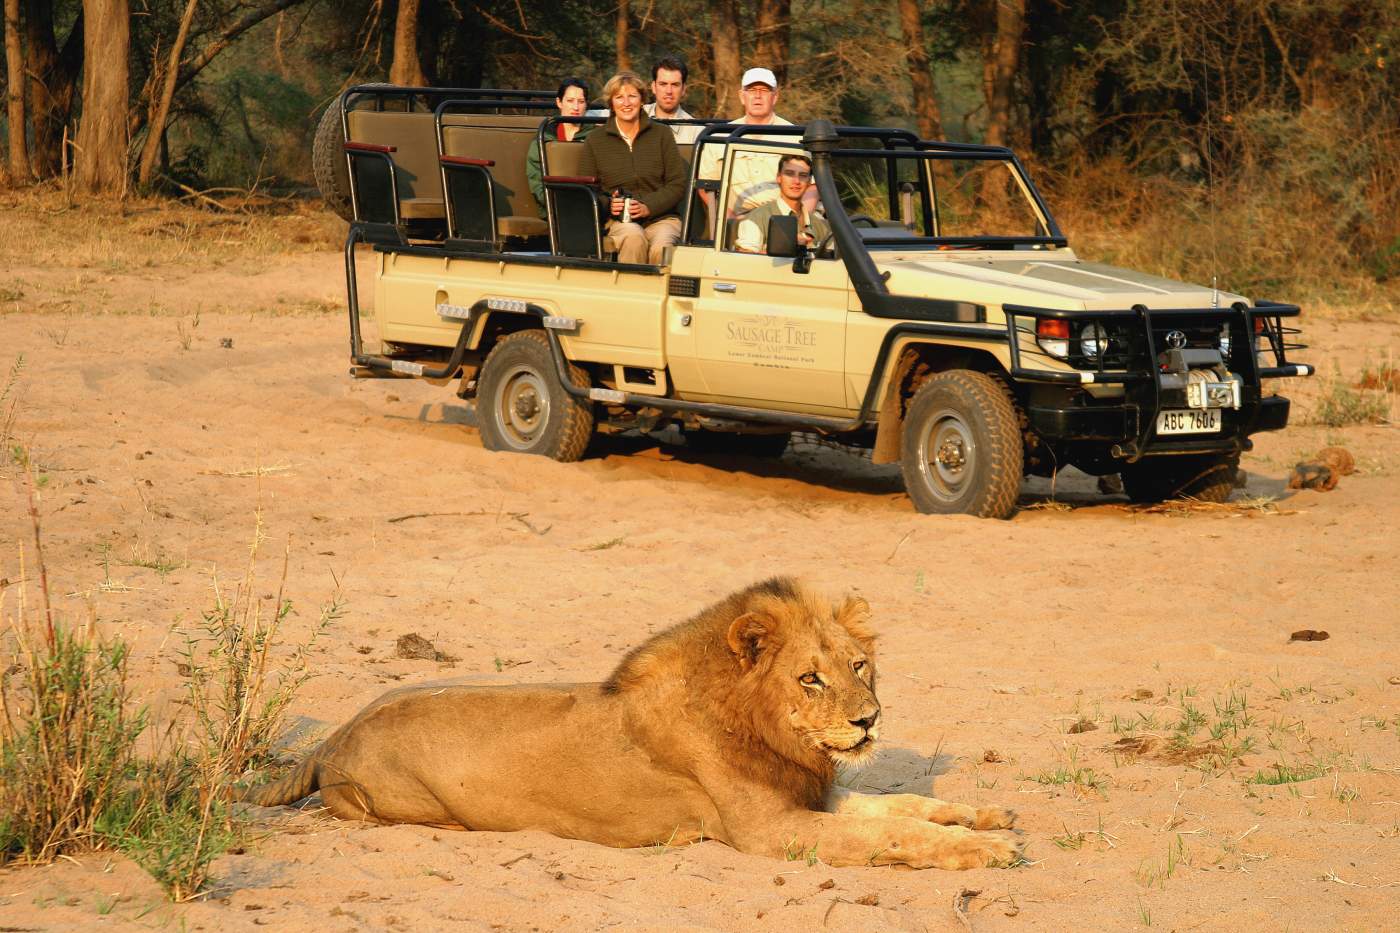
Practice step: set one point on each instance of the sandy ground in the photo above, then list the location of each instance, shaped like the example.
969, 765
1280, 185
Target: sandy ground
157, 434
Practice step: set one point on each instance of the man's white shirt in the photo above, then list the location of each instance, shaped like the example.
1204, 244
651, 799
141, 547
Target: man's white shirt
685, 134
752, 180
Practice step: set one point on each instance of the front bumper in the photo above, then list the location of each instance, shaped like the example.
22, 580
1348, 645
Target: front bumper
1122, 425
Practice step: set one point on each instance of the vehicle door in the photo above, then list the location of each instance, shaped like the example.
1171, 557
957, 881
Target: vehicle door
764, 335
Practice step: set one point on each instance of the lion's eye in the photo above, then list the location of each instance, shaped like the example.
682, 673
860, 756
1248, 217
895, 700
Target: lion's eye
810, 680
858, 666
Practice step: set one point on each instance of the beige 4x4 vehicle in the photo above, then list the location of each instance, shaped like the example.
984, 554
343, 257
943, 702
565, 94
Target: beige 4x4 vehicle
946, 323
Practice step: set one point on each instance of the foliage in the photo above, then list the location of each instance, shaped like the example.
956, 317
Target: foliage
71, 778
1273, 129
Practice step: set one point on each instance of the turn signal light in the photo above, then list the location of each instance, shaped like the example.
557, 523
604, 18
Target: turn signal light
1053, 336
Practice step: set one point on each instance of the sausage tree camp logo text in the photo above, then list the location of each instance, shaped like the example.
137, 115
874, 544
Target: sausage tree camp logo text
771, 338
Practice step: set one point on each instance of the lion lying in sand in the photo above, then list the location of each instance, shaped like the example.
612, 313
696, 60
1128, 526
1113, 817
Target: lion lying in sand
729, 726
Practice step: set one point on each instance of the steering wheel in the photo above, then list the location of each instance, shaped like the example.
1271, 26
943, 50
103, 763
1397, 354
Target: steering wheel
821, 248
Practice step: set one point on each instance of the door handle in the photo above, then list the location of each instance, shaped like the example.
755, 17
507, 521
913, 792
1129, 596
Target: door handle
728, 287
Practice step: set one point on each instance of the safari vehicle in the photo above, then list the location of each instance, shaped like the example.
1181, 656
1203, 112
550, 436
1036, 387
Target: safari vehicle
945, 323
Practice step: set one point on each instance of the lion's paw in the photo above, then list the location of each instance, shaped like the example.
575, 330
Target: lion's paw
1000, 849
994, 818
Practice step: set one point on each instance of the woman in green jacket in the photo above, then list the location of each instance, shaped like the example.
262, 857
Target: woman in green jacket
572, 101
637, 163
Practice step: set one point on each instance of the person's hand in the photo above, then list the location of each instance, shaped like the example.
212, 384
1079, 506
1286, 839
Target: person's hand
810, 200
639, 210
616, 208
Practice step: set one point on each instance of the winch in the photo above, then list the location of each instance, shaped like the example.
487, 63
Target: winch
1201, 377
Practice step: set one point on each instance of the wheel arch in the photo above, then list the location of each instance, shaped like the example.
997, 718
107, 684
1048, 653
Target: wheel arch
914, 361
490, 329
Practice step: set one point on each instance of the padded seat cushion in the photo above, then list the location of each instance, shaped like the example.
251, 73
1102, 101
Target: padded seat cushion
421, 209
521, 226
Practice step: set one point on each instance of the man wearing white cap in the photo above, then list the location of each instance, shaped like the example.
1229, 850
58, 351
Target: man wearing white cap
752, 179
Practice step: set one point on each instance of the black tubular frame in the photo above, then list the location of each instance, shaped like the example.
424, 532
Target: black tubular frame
497, 98
1142, 382
368, 152
892, 140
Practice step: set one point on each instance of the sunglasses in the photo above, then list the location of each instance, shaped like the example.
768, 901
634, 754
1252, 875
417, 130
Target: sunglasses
796, 173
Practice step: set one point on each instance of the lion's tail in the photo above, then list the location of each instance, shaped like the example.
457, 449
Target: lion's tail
302, 782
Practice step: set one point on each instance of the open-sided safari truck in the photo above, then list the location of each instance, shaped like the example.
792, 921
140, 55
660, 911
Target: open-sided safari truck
945, 323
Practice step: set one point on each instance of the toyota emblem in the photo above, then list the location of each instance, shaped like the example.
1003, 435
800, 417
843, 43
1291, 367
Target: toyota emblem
1176, 339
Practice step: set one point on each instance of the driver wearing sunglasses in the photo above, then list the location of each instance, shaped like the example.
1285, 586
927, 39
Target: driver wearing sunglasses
794, 181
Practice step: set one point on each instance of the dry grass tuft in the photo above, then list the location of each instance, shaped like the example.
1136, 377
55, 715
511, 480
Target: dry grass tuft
70, 776
44, 228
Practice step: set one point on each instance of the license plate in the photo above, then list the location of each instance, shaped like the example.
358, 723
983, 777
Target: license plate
1188, 421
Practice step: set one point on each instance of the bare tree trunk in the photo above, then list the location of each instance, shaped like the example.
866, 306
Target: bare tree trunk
14, 76
407, 69
725, 26
102, 134
773, 22
624, 57
1005, 59
926, 110
53, 84
1000, 61
156, 130
226, 37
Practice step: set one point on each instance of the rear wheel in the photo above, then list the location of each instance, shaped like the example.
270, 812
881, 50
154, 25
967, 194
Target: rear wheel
961, 450
1206, 477
522, 407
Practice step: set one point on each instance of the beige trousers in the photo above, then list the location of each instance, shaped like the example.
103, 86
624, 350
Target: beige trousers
644, 244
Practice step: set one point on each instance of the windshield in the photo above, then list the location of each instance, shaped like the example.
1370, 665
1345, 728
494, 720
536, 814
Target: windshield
909, 201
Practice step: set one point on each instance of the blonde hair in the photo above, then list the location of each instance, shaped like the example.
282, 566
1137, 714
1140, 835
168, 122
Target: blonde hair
618, 80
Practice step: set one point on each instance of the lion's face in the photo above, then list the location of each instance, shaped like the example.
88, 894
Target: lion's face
817, 672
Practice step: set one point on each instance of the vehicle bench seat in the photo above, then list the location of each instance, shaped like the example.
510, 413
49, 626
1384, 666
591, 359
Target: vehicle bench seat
414, 138
504, 141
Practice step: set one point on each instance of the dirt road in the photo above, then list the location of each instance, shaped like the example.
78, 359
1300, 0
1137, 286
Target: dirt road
1123, 679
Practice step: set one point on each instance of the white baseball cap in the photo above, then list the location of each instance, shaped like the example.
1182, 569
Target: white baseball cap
759, 76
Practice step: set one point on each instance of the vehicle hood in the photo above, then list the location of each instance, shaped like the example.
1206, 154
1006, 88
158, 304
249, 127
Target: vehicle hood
1065, 283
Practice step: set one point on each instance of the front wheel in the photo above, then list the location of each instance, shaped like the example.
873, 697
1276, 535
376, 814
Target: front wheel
522, 407
961, 449
1204, 477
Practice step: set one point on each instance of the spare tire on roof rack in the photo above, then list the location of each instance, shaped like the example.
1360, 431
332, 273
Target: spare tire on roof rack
328, 158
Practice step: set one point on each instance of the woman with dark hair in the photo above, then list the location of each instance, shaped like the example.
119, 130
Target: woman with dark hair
638, 165
572, 101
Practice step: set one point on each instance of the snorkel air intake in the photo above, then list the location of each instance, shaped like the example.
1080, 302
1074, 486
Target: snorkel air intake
875, 298
819, 140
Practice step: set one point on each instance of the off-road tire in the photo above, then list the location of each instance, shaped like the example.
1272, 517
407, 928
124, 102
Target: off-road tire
1205, 477
758, 446
328, 160
522, 408
961, 450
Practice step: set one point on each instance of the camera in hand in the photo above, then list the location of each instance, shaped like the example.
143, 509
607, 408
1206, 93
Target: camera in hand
626, 196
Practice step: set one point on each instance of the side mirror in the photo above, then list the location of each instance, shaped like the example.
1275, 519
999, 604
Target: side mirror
782, 236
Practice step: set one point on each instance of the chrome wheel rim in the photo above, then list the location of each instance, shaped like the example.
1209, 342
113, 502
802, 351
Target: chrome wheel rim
947, 456
522, 408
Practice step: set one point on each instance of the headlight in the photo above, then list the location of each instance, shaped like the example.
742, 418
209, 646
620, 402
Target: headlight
1093, 340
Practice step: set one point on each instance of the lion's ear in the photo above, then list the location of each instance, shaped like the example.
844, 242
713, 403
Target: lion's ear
854, 617
749, 636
